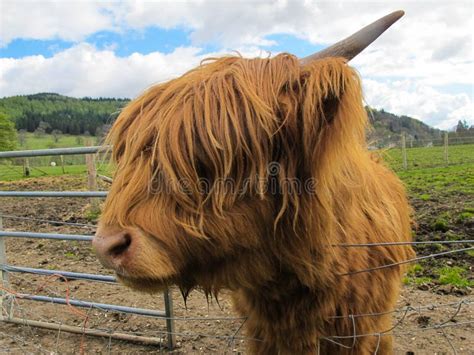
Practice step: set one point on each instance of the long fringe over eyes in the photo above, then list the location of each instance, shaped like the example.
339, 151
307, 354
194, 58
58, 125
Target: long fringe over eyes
227, 121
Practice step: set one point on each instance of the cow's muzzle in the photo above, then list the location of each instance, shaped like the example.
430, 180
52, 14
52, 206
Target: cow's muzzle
112, 246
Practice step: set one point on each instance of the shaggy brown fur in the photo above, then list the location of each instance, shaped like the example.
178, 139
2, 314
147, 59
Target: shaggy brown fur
243, 174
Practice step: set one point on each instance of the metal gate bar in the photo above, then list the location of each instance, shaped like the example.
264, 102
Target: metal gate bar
86, 304
33, 235
85, 194
66, 274
55, 151
5, 268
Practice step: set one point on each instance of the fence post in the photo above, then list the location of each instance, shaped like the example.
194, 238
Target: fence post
26, 167
91, 171
4, 275
169, 319
404, 150
61, 157
92, 179
446, 157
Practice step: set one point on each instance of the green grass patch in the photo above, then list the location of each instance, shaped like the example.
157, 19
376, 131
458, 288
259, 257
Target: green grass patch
450, 235
452, 179
417, 281
454, 275
414, 276
69, 254
414, 270
422, 157
12, 169
14, 172
47, 141
441, 223
92, 214
465, 216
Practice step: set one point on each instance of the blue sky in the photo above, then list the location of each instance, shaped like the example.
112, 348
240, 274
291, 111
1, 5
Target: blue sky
422, 66
146, 41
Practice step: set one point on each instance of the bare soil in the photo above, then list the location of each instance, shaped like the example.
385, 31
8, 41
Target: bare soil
202, 325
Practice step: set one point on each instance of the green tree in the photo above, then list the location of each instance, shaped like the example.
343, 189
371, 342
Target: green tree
56, 135
8, 139
22, 137
49, 111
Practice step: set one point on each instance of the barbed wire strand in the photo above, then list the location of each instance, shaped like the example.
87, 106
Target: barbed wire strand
353, 336
374, 314
434, 327
449, 341
405, 309
49, 221
389, 244
405, 261
159, 332
437, 326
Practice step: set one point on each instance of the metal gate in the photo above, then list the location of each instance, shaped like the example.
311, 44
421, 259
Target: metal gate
7, 313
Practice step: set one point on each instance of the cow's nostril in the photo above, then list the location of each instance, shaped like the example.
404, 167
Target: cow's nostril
122, 245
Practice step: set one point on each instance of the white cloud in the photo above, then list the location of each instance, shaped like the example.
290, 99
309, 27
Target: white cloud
85, 71
67, 20
229, 24
410, 98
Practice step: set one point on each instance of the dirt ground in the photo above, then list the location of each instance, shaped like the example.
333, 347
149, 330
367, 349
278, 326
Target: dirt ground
201, 326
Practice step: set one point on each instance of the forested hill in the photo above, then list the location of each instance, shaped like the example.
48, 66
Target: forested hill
56, 112
387, 128
49, 112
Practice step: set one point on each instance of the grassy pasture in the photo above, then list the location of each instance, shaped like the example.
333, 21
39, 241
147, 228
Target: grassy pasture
41, 166
424, 157
423, 182
15, 172
47, 141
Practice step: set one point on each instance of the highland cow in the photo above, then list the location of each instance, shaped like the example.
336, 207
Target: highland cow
247, 175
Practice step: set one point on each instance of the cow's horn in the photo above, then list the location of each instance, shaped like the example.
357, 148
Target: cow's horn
351, 46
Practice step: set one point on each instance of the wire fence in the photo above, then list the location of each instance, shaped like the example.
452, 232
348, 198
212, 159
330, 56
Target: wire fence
46, 304
101, 328
412, 154
10, 297
59, 161
105, 330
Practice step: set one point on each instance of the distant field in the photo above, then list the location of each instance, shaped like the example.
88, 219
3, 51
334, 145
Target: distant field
430, 156
427, 173
425, 182
41, 166
47, 141
15, 172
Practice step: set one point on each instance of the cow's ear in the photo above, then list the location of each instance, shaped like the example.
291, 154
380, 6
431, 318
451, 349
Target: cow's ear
324, 84
331, 112
330, 106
